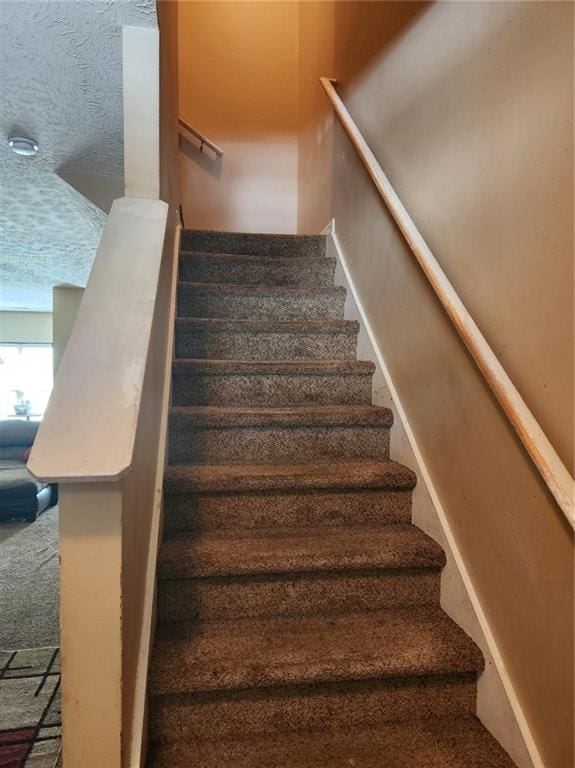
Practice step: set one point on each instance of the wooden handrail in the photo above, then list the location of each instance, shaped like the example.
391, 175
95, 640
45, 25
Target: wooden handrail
203, 139
555, 474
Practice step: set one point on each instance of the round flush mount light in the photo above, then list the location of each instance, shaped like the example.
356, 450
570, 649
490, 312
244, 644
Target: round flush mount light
22, 146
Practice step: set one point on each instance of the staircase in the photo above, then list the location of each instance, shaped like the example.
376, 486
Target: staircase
298, 609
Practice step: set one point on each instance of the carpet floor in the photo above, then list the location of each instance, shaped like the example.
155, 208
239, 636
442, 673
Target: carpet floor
29, 593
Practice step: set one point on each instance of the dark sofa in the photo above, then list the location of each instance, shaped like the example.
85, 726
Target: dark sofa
21, 496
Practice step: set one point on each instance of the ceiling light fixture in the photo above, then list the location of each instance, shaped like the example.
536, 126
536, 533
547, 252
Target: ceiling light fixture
22, 146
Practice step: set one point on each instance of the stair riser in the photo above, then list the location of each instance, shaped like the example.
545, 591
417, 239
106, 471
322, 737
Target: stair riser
265, 346
240, 306
273, 390
250, 445
290, 510
207, 269
281, 710
424, 743
281, 246
298, 595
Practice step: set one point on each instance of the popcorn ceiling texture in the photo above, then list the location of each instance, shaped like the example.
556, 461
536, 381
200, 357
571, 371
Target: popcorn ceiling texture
61, 75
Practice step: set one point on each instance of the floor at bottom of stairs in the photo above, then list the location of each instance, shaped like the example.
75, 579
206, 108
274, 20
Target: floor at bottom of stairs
435, 743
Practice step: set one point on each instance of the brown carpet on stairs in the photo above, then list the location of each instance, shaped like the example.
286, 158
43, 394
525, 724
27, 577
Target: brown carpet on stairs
298, 609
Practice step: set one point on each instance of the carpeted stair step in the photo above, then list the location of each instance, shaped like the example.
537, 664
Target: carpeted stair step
222, 435
261, 302
442, 742
271, 383
261, 497
299, 617
396, 547
258, 653
255, 244
218, 576
256, 270
266, 340
283, 710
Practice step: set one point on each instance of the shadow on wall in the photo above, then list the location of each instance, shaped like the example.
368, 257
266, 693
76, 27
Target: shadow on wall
207, 161
382, 26
337, 41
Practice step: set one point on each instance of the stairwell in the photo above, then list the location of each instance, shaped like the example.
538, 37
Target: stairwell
298, 608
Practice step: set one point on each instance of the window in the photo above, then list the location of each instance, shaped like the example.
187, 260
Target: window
25, 380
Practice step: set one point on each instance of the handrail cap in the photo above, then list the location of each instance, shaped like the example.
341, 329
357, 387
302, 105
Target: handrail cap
88, 432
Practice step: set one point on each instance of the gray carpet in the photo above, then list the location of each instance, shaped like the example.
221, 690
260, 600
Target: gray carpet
29, 595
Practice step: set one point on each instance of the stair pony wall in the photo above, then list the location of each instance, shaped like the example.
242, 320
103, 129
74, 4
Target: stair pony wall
103, 436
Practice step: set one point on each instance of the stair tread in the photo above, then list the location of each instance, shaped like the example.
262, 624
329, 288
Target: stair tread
395, 546
338, 475
266, 367
461, 742
250, 258
259, 289
256, 243
248, 653
305, 415
242, 325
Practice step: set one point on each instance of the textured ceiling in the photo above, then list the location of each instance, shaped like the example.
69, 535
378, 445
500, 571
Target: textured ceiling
61, 84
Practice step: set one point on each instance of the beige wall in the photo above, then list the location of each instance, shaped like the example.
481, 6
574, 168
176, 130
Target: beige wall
238, 67
25, 327
468, 107
66, 303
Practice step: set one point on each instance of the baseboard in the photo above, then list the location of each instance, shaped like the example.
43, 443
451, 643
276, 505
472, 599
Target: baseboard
498, 706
